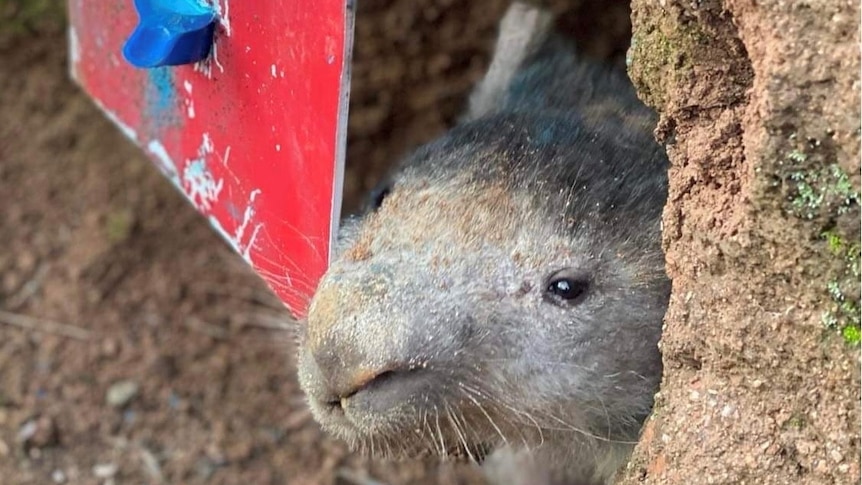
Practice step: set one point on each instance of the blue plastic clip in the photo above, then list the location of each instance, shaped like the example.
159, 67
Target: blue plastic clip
170, 33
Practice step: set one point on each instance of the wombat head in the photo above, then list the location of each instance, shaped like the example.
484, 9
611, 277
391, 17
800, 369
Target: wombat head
507, 290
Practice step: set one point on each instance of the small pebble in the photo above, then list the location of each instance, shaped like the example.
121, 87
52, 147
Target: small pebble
821, 467
26, 431
805, 447
39, 432
105, 470
110, 347
121, 393
58, 476
836, 456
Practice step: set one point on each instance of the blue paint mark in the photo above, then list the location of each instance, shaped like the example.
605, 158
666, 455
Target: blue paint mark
161, 97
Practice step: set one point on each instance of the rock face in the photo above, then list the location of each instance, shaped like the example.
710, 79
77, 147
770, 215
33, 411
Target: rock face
759, 106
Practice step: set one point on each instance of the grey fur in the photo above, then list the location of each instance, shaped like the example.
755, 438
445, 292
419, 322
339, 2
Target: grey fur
432, 332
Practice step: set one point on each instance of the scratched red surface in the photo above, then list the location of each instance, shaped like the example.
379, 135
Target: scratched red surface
253, 136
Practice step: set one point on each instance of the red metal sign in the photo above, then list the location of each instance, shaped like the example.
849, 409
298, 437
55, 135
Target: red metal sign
253, 135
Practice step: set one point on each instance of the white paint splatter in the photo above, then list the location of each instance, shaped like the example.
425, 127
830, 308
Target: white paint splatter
223, 10
74, 46
198, 183
235, 240
272, 70
163, 160
201, 188
246, 219
226, 157
207, 145
190, 103
127, 130
205, 66
215, 58
224, 234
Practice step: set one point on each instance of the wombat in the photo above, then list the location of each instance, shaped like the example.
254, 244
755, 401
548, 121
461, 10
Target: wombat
503, 294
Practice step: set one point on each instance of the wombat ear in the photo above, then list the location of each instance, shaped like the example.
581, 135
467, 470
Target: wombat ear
522, 30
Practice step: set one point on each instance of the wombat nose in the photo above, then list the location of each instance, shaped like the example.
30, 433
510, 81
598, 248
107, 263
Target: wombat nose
359, 392
349, 345
362, 393
344, 383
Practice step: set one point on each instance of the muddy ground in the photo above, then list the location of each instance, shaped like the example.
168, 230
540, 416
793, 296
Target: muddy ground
135, 347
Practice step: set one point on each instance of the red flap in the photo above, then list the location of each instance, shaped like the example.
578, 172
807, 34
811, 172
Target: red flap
254, 136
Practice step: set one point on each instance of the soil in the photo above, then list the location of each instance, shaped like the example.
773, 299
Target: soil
135, 346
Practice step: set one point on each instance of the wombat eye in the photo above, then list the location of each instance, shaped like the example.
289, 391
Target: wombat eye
566, 287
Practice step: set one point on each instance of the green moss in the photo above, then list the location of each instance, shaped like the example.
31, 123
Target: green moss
821, 191
844, 311
796, 421
797, 156
662, 55
851, 335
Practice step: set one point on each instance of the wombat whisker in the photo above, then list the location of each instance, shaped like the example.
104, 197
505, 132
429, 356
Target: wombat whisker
607, 415
285, 284
273, 282
482, 410
504, 360
442, 449
428, 438
459, 432
284, 262
549, 427
386, 443
529, 418
569, 427
311, 240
